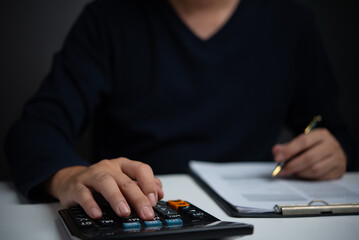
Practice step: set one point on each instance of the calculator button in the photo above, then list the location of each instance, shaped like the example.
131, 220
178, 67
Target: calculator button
192, 213
132, 221
182, 210
197, 215
153, 223
131, 225
84, 222
106, 221
175, 204
166, 212
132, 218
174, 222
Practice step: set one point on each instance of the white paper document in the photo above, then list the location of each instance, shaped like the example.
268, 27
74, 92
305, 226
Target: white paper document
251, 188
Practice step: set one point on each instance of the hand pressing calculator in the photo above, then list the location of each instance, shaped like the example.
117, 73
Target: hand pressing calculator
176, 219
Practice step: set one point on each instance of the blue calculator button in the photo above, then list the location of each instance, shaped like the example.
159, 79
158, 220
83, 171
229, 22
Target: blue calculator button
175, 221
128, 225
153, 223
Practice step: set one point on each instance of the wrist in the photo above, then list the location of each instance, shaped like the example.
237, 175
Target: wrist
59, 180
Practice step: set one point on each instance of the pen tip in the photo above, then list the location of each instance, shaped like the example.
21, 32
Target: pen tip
276, 171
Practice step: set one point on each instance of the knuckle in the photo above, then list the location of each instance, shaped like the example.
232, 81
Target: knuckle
77, 180
82, 195
75, 183
143, 167
103, 177
94, 168
127, 184
105, 163
121, 160
81, 190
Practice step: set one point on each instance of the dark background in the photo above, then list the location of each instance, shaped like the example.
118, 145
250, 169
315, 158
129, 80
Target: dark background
32, 30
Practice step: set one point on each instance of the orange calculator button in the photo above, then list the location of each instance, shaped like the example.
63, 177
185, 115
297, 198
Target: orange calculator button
175, 204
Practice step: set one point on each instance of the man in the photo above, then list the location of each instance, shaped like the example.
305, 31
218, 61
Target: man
172, 81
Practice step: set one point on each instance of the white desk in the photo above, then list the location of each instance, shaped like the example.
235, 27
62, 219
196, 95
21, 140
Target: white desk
19, 220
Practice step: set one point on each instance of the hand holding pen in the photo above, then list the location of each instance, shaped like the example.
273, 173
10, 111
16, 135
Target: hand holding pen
316, 156
307, 130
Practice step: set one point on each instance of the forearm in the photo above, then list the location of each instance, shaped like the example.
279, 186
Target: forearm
36, 151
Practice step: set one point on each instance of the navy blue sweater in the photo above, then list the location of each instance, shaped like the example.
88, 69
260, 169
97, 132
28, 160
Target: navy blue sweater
163, 96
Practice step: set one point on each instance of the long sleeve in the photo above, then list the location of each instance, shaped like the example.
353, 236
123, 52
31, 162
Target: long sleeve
42, 141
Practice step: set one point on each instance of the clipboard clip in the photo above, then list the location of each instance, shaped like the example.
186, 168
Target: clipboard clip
317, 207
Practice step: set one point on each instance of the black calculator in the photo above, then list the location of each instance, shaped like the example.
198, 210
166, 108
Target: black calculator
175, 219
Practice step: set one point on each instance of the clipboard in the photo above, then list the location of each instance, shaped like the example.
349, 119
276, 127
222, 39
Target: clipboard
314, 208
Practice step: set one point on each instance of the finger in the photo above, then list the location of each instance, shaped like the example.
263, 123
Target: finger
159, 191
107, 186
145, 178
331, 167
159, 188
318, 170
307, 160
299, 144
135, 197
333, 174
83, 196
158, 182
277, 152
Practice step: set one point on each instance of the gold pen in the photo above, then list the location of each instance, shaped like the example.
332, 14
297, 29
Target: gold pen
307, 130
